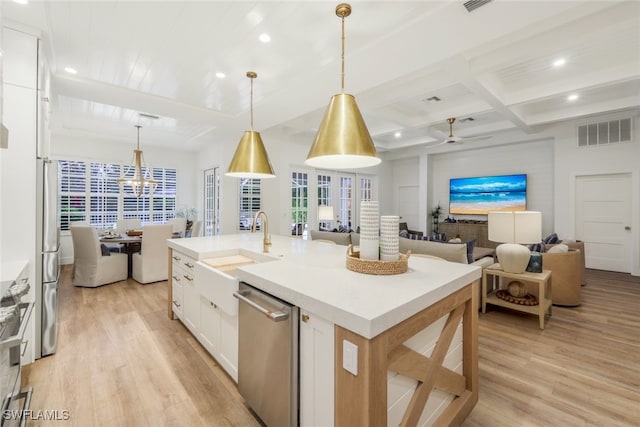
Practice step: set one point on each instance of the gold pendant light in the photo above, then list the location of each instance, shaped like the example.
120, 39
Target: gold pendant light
342, 141
250, 159
140, 179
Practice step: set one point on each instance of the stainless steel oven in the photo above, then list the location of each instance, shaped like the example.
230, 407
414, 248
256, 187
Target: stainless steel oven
14, 316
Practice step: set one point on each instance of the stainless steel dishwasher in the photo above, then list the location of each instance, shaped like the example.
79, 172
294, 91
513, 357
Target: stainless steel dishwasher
268, 356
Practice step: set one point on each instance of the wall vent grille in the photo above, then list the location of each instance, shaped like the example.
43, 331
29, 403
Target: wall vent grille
472, 5
604, 133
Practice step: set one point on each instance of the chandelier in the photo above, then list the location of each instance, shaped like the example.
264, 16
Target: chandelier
141, 177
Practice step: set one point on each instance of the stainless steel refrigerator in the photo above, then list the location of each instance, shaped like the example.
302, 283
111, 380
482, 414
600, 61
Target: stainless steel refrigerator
47, 256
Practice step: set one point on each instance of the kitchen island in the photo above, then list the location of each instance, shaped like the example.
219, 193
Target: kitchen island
414, 334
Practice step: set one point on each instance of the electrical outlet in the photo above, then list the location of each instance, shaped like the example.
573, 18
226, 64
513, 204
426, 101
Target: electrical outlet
350, 357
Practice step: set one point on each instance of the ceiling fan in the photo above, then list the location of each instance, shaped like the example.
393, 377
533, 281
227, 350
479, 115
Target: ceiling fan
451, 138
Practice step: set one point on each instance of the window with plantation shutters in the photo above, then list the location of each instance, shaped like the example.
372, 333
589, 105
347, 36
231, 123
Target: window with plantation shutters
72, 197
104, 195
164, 196
89, 192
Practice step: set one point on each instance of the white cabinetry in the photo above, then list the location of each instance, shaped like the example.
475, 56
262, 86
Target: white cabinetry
177, 290
219, 335
182, 271
316, 370
215, 328
18, 162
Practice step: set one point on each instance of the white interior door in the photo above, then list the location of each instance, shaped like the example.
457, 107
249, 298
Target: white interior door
408, 205
603, 220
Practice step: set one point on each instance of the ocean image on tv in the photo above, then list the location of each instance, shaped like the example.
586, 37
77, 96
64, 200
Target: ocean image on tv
490, 193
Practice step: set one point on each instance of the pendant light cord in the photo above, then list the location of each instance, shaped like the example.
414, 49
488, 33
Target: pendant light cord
251, 100
342, 58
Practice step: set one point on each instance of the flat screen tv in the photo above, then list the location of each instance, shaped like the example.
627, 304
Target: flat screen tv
479, 195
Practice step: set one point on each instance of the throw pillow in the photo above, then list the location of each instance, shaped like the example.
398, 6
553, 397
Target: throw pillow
535, 263
550, 239
404, 233
538, 247
558, 249
105, 250
470, 244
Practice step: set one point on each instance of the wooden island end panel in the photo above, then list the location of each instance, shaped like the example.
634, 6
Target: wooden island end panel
423, 371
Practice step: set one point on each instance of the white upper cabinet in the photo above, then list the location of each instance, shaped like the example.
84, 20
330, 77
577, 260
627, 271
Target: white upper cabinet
20, 54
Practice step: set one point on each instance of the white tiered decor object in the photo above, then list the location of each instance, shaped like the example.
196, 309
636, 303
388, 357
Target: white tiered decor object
369, 230
514, 229
389, 237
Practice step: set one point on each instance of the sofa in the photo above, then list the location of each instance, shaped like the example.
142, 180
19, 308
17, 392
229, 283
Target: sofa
453, 252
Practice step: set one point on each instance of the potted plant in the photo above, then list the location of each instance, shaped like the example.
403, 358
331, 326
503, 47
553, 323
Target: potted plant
435, 215
190, 214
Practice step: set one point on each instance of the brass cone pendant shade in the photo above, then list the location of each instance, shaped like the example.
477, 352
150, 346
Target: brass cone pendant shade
251, 159
343, 140
139, 180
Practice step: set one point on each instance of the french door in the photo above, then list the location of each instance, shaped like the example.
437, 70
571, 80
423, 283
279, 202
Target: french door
211, 204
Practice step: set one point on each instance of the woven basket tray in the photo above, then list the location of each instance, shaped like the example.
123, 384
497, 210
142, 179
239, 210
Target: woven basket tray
370, 266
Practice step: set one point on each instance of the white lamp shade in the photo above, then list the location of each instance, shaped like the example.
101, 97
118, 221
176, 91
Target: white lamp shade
515, 227
325, 213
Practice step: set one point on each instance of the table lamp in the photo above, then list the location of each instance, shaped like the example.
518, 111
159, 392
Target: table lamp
325, 213
513, 229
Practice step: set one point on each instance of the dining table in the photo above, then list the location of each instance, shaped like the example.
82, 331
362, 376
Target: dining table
132, 244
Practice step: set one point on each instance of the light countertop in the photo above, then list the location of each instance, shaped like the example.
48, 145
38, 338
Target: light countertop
9, 272
312, 275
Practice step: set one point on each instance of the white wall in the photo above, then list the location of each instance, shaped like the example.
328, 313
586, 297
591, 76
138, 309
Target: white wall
73, 148
536, 159
571, 162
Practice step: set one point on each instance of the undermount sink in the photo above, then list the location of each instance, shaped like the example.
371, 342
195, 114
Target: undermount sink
217, 275
229, 261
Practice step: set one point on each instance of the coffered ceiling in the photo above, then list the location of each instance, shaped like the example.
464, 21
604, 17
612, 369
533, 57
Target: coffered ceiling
494, 65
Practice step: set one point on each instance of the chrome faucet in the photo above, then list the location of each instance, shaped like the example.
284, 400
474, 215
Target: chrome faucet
266, 241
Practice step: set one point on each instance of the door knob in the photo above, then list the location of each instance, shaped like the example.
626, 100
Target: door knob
305, 318
627, 228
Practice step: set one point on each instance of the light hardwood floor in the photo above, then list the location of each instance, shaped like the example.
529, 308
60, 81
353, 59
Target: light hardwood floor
121, 362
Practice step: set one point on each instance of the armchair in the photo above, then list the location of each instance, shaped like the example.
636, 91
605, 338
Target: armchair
90, 267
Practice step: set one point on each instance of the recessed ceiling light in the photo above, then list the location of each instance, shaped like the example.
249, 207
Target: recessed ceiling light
397, 134
71, 70
559, 62
221, 75
21, 1
264, 38
572, 97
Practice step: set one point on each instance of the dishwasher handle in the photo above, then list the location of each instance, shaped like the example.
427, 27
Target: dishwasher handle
276, 316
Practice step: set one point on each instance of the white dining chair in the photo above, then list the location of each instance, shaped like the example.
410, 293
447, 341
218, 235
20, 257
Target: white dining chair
151, 263
179, 225
92, 268
126, 224
195, 229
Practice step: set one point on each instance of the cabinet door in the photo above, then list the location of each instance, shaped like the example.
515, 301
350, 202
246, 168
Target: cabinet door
228, 355
191, 300
177, 295
316, 370
209, 334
